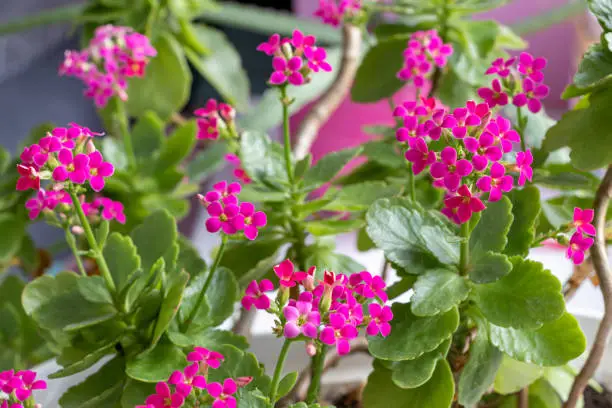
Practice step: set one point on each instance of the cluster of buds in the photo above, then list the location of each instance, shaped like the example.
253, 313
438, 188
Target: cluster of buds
215, 119
425, 51
16, 388
329, 312
190, 387
113, 55
333, 12
229, 215
519, 79
294, 59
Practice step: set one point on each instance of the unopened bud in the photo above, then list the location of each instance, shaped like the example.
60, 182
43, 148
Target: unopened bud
243, 381
311, 349
309, 283
90, 147
287, 50
77, 230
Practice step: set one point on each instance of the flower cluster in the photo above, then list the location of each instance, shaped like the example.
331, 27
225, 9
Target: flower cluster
581, 240
18, 387
471, 163
518, 78
239, 172
425, 51
295, 58
227, 214
215, 119
333, 12
192, 383
113, 55
330, 311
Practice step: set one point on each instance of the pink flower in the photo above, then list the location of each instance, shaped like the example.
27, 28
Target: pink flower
75, 168
523, 166
531, 95
28, 178
287, 71
483, 149
221, 218
249, 220
501, 67
435, 125
369, 286
223, 394
210, 109
494, 96
339, 332
287, 275
37, 204
255, 296
582, 221
316, 59
29, 383
381, 316
411, 129
501, 130
48, 144
208, 128
301, 319
98, 170
272, 46
459, 208
224, 192
28, 154
531, 67
113, 210
205, 357
420, 156
438, 51
227, 112
578, 245
352, 309
184, 381
497, 183
301, 42
463, 118
416, 68
163, 398
450, 169
410, 108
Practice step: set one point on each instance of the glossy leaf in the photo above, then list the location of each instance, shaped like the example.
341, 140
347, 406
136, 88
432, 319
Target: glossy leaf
83, 364
286, 384
328, 167
515, 375
13, 230
154, 237
101, 389
526, 210
170, 305
206, 162
135, 392
208, 338
156, 364
414, 373
491, 231
220, 296
93, 288
262, 158
41, 290
438, 291
359, 197
602, 9
489, 267
480, 370
177, 147
122, 258
322, 228
148, 135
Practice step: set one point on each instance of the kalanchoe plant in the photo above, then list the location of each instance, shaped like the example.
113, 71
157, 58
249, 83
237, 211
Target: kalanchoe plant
16, 388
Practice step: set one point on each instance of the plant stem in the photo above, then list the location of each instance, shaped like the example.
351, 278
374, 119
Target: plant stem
318, 363
207, 283
75, 251
411, 183
443, 16
280, 363
520, 127
125, 133
464, 254
93, 244
286, 134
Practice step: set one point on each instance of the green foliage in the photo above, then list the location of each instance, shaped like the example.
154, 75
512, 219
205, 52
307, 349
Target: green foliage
414, 373
148, 135
488, 267
156, 364
438, 291
515, 375
13, 230
262, 158
286, 384
479, 372
162, 226
490, 234
122, 259
326, 168
525, 211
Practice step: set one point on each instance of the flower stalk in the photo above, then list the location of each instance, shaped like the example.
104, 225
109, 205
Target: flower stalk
280, 363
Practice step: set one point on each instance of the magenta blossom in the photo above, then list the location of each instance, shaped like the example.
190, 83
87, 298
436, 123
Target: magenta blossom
287, 275
255, 296
205, 357
411, 129
381, 316
369, 286
339, 332
450, 169
420, 156
582, 221
208, 128
531, 67
163, 398
184, 381
250, 220
301, 319
113, 210
523, 166
29, 178
272, 46
531, 95
75, 168
222, 218
224, 191
497, 183
501, 130
223, 395
494, 96
484, 150
29, 383
578, 245
287, 71
501, 67
41, 202
460, 208
316, 57
98, 170
48, 144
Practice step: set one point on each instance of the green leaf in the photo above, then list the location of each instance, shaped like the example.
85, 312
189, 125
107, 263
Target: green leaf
359, 197
409, 234
412, 336
543, 395
491, 231
602, 9
536, 128
414, 373
5, 159
262, 158
148, 135
383, 61
565, 177
594, 71
243, 258
238, 363
86, 362
13, 231
584, 128
302, 166
562, 379
526, 298
170, 305
555, 343
513, 375
135, 392
93, 288
154, 237
525, 210
381, 392
156, 364
122, 259
479, 372
453, 90
328, 166
488, 267
41, 290
177, 147
165, 88
438, 291
223, 68
221, 296
286, 384
207, 162
364, 243
325, 258
136, 289
102, 389
208, 338
384, 153
322, 228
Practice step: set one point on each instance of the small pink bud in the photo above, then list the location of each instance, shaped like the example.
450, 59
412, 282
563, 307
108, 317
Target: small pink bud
309, 283
311, 349
77, 230
90, 147
243, 381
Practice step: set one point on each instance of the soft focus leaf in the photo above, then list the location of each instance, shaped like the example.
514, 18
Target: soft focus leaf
515, 375
156, 364
101, 389
262, 158
206, 163
170, 305
148, 135
491, 231
414, 373
438, 291
602, 9
359, 197
328, 166
525, 210
122, 259
333, 227
154, 238
177, 147
480, 370
286, 384
13, 230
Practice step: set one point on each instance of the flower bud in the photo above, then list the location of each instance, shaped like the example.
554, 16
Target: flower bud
311, 349
77, 230
243, 381
90, 147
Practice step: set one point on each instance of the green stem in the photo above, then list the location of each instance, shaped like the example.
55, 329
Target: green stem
93, 244
287, 134
521, 127
207, 283
411, 184
464, 254
75, 251
280, 363
318, 363
125, 133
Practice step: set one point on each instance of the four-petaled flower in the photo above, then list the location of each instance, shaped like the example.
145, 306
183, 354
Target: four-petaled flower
250, 220
523, 166
205, 357
459, 208
450, 169
420, 156
531, 67
223, 394
287, 71
494, 96
497, 183
75, 168
29, 178
98, 170
164, 398
582, 221
287, 275
531, 95
301, 319
221, 217
339, 332
255, 296
578, 245
381, 316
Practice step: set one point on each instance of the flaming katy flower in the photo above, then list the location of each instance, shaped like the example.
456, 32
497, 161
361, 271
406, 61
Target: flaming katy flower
112, 56
29, 178
494, 96
497, 183
582, 221
301, 319
164, 398
501, 67
222, 218
578, 245
339, 332
250, 220
420, 156
450, 169
215, 119
459, 208
223, 394
381, 316
523, 166
255, 296
531, 95
205, 357
287, 275
332, 12
184, 381
531, 67
425, 51
19, 385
